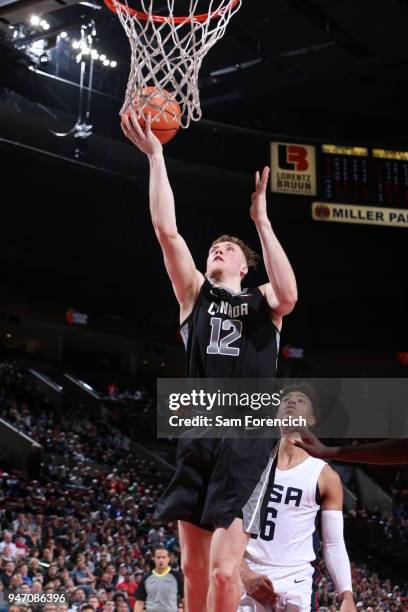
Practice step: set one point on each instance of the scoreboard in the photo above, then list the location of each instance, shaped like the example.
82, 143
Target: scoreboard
338, 173
363, 175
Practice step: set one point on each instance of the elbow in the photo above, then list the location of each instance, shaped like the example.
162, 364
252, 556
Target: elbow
288, 303
165, 234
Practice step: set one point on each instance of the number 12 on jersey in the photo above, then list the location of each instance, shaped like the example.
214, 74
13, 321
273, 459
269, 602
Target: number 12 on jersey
222, 346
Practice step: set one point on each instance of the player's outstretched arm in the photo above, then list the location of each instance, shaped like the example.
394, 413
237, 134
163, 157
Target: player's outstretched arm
388, 452
185, 278
281, 291
334, 548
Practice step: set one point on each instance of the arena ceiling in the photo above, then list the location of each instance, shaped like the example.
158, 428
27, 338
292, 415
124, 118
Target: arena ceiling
317, 67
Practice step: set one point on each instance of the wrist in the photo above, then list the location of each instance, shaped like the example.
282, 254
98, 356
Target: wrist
155, 157
261, 221
347, 596
246, 573
332, 452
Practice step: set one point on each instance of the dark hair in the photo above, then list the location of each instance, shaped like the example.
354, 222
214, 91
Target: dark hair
86, 606
308, 390
251, 257
160, 548
119, 594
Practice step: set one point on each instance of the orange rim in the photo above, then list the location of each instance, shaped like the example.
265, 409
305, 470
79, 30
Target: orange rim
163, 19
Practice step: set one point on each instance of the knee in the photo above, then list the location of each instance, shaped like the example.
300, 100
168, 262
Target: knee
224, 575
194, 569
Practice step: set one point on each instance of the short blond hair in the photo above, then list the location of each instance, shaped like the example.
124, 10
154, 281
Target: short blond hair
251, 257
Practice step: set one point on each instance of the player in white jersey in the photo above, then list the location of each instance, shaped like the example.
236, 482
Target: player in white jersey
278, 569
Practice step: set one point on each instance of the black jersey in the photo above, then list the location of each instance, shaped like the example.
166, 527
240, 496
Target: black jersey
230, 335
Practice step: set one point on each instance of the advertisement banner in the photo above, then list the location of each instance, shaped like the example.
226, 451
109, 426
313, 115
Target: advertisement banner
293, 169
363, 215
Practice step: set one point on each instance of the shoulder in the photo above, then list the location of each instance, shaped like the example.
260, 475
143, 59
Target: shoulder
330, 488
329, 477
176, 573
179, 579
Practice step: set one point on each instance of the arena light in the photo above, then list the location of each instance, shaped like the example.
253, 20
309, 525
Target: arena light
102, 57
35, 20
106, 62
333, 149
45, 25
387, 154
95, 54
37, 49
63, 34
113, 64
75, 44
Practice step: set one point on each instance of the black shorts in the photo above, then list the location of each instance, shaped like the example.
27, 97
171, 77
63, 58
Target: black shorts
218, 480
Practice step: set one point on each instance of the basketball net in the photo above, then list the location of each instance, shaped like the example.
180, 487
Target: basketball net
167, 53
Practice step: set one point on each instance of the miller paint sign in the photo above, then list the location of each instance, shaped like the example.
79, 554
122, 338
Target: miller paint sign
293, 168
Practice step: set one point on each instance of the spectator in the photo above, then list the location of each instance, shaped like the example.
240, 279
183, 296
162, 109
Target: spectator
93, 601
121, 574
7, 573
3, 601
129, 585
33, 567
36, 587
81, 574
8, 542
78, 598
23, 569
102, 597
15, 582
119, 598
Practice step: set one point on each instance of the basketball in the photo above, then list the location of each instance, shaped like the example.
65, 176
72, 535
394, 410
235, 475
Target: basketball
165, 113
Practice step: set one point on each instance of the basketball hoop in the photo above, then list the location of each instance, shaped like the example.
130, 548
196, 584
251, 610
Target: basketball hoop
167, 52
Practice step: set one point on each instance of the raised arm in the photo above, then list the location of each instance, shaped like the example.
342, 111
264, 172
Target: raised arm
184, 276
281, 291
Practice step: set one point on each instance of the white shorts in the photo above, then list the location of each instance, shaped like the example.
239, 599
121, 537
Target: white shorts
295, 592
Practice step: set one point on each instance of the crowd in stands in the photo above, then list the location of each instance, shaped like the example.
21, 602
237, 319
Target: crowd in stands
371, 594
392, 479
375, 529
84, 525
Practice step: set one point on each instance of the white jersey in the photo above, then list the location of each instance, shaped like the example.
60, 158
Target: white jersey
288, 534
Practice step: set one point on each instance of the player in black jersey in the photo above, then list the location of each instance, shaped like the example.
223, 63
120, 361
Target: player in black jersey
228, 332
